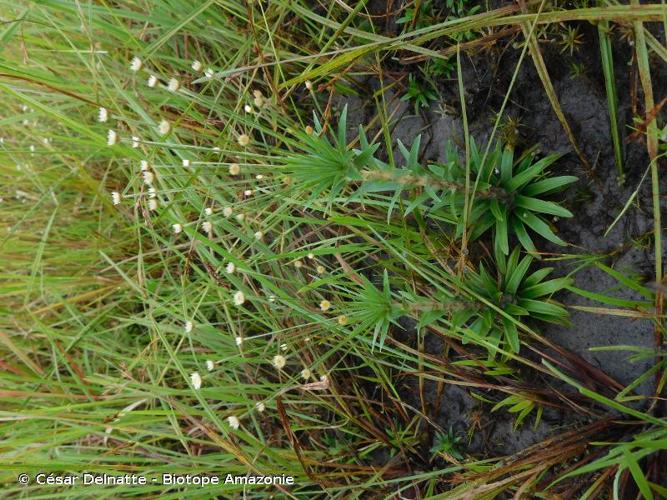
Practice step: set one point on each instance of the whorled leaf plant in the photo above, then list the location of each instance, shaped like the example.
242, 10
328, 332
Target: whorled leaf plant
508, 194
516, 292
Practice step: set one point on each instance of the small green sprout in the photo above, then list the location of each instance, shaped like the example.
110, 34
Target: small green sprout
447, 444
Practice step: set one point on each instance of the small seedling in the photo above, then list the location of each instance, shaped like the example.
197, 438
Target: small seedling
421, 93
447, 444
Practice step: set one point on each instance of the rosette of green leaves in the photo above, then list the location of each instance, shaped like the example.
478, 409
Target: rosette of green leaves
516, 292
326, 165
508, 196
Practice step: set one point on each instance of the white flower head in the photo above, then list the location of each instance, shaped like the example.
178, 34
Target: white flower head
325, 305
284, 347
152, 81
234, 169
247, 108
178, 228
239, 341
279, 361
306, 374
112, 138
164, 127
143, 165
320, 269
135, 141
259, 235
298, 264
210, 365
207, 227
103, 115
240, 217
152, 192
260, 406
197, 66
233, 422
186, 163
152, 204
259, 177
248, 192
259, 100
173, 85
230, 268
209, 73
208, 211
309, 85
136, 64
188, 326
148, 176
115, 197
311, 255
239, 298
195, 379
227, 211
244, 140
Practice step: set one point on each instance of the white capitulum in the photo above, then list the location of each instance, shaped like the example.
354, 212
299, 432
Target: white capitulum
210, 365
239, 298
152, 81
178, 228
164, 127
103, 115
112, 138
197, 66
230, 268
173, 85
279, 361
195, 379
207, 227
136, 64
233, 422
186, 163
188, 326
115, 197
148, 177
135, 141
